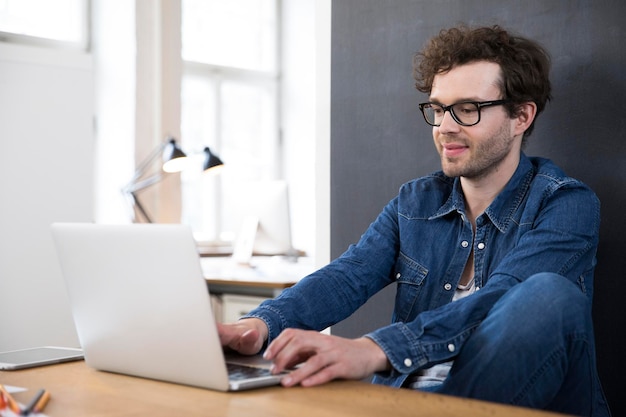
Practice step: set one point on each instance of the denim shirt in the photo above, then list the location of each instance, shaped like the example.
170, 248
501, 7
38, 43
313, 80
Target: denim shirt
542, 221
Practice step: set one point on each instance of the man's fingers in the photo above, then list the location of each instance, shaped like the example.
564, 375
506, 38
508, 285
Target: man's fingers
291, 348
250, 342
321, 358
242, 337
314, 371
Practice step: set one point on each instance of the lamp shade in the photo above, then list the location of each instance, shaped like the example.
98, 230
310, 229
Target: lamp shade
211, 161
174, 159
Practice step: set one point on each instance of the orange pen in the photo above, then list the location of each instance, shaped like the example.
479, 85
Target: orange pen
37, 403
41, 404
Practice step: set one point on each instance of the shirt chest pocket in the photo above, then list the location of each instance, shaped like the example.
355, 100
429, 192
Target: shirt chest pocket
409, 276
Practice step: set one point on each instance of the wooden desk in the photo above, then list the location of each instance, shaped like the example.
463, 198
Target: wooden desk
77, 390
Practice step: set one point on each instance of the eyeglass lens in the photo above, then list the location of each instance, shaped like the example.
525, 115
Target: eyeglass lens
463, 113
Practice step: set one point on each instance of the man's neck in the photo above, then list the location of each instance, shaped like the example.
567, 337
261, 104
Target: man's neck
480, 192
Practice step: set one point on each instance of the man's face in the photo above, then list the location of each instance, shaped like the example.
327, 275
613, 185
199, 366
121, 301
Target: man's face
474, 152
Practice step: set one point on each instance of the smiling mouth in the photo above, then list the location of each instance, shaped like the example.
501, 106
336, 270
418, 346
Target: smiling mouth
453, 149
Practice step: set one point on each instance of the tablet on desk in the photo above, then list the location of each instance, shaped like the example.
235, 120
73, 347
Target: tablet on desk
39, 356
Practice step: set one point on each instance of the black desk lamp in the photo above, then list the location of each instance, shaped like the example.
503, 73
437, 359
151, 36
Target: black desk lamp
173, 160
211, 161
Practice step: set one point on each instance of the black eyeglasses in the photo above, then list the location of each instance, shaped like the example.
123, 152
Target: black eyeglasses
465, 113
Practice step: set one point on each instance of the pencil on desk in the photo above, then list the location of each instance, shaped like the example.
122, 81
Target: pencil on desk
37, 403
8, 399
41, 404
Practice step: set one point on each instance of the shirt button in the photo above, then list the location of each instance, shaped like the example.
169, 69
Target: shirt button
465, 243
447, 286
398, 275
451, 347
481, 245
408, 362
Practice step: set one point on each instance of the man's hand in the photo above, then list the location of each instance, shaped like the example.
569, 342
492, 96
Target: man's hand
245, 336
323, 358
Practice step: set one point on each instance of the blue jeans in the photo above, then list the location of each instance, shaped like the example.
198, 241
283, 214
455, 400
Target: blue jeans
534, 349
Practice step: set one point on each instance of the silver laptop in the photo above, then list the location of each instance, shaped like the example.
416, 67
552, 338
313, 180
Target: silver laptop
141, 305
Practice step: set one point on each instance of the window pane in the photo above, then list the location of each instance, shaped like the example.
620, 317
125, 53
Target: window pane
249, 145
198, 112
248, 130
246, 144
198, 127
236, 33
61, 20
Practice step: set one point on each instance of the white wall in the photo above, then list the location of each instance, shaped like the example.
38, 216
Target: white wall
306, 122
46, 175
113, 25
298, 120
322, 130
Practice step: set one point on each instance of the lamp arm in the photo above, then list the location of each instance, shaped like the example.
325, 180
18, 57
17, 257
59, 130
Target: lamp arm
139, 206
135, 186
147, 162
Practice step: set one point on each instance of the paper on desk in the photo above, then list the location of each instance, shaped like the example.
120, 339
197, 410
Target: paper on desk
266, 269
9, 413
12, 390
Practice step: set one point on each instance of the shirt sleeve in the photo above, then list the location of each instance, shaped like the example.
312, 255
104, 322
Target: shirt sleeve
337, 290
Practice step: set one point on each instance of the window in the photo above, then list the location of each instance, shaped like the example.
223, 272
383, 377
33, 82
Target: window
56, 23
229, 102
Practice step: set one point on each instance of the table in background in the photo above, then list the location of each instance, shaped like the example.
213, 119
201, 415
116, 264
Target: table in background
238, 288
77, 390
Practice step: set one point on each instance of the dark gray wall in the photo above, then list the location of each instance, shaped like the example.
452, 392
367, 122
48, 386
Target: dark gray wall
379, 141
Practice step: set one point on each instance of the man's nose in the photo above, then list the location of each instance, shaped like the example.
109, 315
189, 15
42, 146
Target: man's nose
448, 124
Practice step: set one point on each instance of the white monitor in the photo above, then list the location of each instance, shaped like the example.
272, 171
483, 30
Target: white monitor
265, 226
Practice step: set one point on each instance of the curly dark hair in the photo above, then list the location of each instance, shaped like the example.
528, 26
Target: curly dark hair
525, 64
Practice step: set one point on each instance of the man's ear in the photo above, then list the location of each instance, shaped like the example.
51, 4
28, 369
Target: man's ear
525, 115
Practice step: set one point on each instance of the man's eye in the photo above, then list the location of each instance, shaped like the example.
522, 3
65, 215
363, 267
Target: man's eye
465, 109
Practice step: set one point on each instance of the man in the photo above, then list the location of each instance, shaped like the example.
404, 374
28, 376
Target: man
493, 257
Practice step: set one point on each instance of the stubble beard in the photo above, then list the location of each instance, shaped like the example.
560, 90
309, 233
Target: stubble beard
482, 159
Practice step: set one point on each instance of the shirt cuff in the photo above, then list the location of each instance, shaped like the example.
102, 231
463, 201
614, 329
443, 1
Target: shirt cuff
404, 352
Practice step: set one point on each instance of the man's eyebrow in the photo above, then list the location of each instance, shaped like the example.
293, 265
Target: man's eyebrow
461, 100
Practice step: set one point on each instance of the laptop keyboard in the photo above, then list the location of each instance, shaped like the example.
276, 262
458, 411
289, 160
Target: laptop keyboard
238, 372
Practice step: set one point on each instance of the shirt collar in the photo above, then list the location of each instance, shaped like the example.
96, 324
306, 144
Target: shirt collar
501, 210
